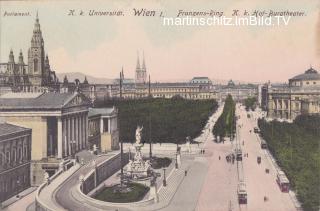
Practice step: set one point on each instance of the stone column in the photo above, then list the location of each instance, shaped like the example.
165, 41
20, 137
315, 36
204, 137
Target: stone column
86, 130
76, 133
72, 135
68, 135
64, 136
59, 137
109, 125
83, 131
101, 125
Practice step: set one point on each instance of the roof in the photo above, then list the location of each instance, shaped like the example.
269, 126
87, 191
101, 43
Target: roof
6, 129
49, 100
101, 111
310, 74
200, 78
12, 95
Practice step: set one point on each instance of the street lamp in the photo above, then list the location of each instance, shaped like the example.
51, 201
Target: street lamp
164, 178
18, 185
177, 160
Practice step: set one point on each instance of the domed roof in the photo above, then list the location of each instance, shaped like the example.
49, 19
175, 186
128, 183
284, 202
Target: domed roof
310, 74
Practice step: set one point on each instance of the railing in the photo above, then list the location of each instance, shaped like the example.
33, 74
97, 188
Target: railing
40, 205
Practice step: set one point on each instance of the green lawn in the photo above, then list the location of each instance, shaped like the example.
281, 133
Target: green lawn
137, 193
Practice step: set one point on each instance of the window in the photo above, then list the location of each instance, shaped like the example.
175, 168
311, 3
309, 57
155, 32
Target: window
7, 157
14, 155
25, 152
35, 65
19, 154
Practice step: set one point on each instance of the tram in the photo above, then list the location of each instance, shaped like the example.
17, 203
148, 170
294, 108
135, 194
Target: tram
242, 193
263, 144
283, 182
238, 153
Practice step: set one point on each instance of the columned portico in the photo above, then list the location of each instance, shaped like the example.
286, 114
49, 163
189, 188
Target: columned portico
59, 137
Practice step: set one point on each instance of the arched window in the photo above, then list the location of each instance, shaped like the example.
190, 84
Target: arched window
35, 65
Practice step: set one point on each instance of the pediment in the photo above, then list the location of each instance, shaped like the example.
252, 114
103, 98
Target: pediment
78, 100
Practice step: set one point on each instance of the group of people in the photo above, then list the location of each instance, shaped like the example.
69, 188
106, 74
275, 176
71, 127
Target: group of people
202, 151
230, 158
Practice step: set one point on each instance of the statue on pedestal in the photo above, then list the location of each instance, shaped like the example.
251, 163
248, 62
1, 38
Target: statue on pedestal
138, 168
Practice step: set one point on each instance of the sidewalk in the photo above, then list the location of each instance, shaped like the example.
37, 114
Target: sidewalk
26, 198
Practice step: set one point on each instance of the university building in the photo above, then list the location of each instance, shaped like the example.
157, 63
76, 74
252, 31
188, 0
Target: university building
15, 158
300, 96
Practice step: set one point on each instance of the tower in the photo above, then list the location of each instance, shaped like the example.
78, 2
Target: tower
36, 57
141, 72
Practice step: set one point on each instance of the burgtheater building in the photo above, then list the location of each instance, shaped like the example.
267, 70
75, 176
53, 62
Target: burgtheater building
59, 123
300, 96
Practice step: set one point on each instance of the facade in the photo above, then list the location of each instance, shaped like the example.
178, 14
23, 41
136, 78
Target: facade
15, 159
36, 75
301, 96
103, 128
201, 80
59, 124
165, 90
238, 92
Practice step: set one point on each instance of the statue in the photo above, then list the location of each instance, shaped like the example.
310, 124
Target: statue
138, 134
138, 168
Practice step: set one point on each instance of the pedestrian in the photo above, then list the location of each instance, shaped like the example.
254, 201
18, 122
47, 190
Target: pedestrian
185, 173
204, 151
219, 157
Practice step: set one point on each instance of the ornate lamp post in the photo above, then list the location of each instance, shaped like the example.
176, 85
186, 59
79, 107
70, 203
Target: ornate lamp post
164, 178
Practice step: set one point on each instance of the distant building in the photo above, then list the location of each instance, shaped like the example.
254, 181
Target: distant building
59, 123
103, 128
36, 75
201, 80
301, 96
238, 92
15, 157
141, 72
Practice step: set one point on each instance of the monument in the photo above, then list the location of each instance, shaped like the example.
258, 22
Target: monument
138, 168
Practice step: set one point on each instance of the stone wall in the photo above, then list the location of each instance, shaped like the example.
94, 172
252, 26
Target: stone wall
39, 134
103, 171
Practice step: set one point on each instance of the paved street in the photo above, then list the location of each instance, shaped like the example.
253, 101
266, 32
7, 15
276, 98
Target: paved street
211, 182
63, 194
219, 189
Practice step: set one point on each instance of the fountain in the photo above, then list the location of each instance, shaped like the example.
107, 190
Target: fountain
138, 168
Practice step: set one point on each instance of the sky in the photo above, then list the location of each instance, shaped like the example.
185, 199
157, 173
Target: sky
100, 46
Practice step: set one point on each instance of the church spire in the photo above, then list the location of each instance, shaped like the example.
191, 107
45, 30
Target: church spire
143, 62
37, 39
11, 56
21, 57
138, 62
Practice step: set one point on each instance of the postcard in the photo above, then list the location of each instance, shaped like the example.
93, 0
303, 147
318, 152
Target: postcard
160, 105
